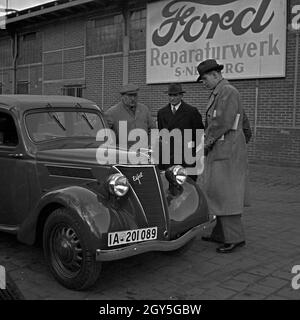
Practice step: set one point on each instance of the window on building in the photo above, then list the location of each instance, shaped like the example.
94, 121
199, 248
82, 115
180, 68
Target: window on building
29, 36
5, 52
30, 48
104, 35
138, 30
22, 87
8, 130
74, 91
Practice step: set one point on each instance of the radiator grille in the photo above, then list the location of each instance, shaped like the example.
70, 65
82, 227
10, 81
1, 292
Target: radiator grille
144, 182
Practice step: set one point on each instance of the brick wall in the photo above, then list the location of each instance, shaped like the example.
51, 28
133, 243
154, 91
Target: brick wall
277, 146
94, 84
64, 61
6, 80
35, 79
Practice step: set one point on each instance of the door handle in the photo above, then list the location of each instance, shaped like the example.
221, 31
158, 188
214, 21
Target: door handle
16, 155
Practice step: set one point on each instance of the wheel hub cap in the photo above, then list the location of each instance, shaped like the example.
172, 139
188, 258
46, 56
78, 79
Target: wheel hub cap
65, 251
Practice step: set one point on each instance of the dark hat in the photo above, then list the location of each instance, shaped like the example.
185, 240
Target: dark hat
129, 89
207, 66
174, 88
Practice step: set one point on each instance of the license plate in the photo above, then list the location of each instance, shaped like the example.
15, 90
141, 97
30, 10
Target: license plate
131, 236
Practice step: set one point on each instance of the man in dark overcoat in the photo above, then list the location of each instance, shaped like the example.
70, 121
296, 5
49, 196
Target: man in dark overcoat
177, 114
226, 157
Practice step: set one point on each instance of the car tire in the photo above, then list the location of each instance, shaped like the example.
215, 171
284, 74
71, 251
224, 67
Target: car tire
181, 250
66, 251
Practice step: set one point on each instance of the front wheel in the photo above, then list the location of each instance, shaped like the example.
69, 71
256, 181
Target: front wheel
67, 253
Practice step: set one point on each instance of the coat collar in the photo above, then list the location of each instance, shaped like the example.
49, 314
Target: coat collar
182, 107
219, 86
177, 106
173, 118
215, 92
129, 110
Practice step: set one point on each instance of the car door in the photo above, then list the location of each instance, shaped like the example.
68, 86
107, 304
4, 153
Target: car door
14, 187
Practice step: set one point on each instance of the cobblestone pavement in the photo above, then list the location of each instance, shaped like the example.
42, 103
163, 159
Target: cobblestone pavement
261, 270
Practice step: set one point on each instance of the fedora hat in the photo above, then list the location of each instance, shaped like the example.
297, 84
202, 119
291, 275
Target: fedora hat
129, 89
207, 66
174, 88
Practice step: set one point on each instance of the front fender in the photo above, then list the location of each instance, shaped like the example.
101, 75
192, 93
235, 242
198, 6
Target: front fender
187, 209
99, 212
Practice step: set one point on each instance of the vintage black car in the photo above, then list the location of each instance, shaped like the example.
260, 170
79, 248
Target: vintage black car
54, 190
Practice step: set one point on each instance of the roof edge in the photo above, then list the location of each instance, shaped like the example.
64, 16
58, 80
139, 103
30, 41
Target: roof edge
45, 8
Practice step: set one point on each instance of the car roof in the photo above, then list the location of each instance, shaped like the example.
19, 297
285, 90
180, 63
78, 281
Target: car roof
24, 102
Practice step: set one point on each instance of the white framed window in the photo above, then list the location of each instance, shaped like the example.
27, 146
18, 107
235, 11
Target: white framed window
74, 91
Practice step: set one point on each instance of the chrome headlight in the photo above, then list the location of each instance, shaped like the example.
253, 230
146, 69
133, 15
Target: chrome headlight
176, 174
118, 184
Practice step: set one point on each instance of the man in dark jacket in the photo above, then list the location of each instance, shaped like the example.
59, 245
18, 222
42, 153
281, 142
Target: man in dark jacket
177, 114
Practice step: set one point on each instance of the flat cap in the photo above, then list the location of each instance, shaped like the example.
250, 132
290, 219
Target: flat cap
129, 89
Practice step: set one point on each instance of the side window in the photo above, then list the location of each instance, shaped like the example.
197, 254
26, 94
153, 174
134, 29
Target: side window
8, 130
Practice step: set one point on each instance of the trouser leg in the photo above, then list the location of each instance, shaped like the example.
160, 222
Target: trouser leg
217, 232
232, 228
228, 229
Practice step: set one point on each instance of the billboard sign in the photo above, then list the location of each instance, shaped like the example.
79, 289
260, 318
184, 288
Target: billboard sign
248, 37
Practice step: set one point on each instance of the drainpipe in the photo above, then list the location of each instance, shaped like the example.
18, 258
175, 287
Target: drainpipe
15, 56
295, 80
256, 107
126, 16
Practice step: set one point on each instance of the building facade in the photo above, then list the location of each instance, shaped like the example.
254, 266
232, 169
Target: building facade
90, 48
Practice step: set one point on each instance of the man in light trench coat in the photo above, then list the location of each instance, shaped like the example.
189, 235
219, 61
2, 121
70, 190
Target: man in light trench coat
226, 157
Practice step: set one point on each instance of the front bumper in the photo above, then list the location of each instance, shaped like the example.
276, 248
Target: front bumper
154, 245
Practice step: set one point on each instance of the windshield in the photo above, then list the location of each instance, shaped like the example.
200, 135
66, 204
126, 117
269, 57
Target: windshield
51, 124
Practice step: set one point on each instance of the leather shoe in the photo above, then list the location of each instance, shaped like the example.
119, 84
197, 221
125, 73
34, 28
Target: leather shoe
229, 247
210, 239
